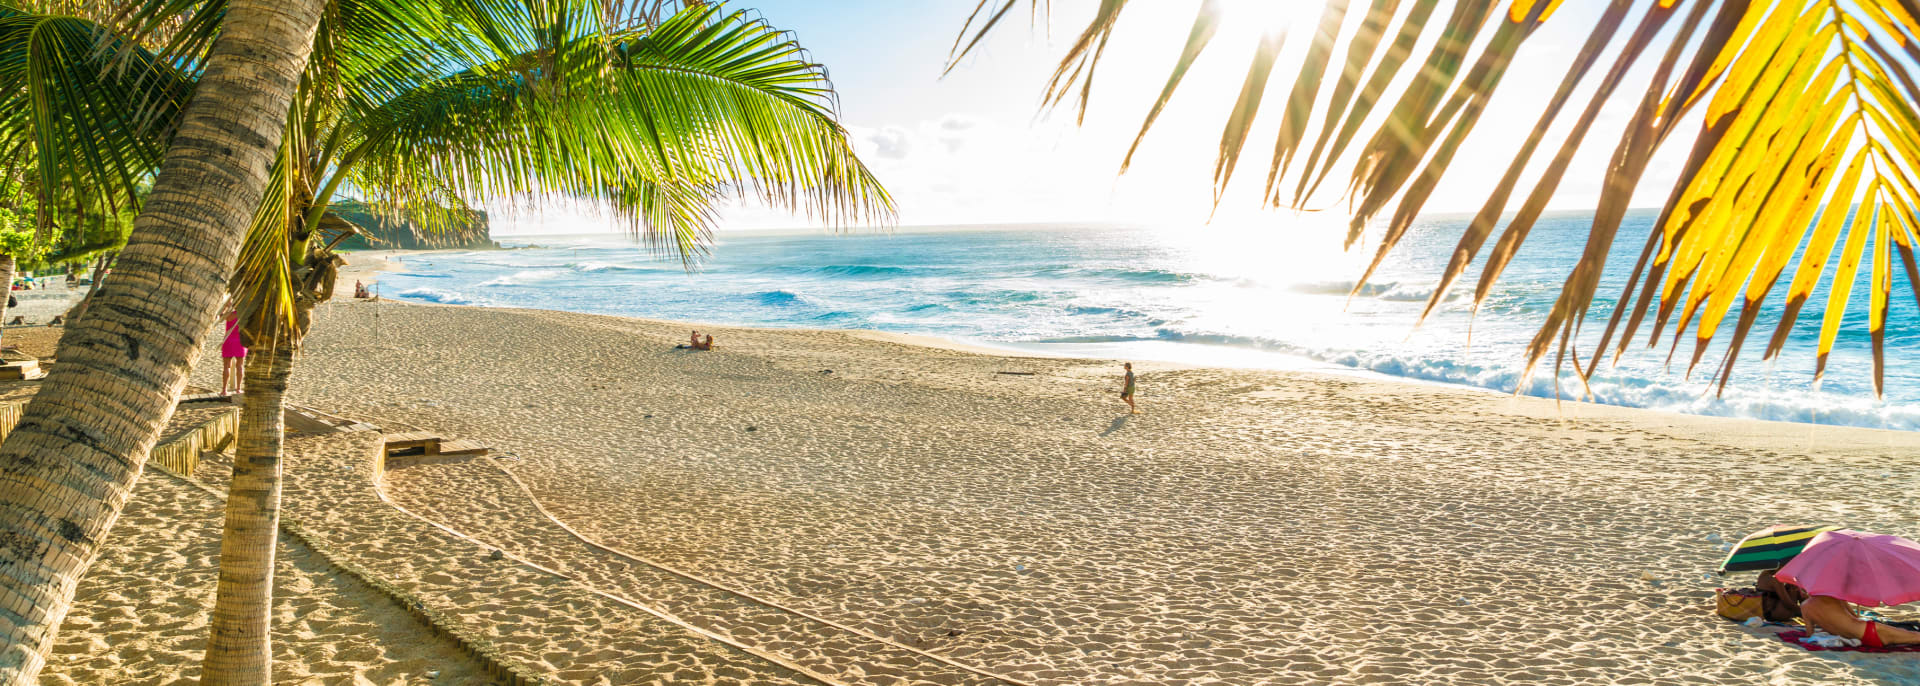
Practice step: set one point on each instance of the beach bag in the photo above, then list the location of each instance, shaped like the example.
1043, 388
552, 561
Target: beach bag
1739, 604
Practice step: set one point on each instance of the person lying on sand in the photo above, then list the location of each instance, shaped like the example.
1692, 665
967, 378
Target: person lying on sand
1837, 617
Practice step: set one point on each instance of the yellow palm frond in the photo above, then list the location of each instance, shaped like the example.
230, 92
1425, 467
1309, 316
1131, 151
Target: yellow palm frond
1809, 109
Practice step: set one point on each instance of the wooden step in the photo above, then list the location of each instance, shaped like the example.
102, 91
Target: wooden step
413, 439
301, 422
14, 370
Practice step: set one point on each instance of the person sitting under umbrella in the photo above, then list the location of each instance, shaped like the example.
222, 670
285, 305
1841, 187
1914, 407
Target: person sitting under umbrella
1766, 550
1842, 568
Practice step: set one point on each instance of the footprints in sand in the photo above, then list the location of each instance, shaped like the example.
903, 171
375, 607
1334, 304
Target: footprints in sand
140, 615
493, 509
1251, 528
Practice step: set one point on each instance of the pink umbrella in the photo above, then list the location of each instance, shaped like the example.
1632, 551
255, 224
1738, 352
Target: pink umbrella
1858, 567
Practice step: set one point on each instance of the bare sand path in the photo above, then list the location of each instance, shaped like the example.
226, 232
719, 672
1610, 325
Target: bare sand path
543, 622
1250, 527
140, 615
494, 509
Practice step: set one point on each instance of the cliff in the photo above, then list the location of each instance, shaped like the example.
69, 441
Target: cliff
467, 229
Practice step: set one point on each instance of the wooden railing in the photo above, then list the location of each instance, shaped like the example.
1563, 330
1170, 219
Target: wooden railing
179, 453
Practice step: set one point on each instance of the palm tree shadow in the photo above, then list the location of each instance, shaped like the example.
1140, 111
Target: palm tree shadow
1118, 423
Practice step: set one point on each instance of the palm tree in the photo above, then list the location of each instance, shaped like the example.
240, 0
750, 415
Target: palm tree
67, 469
465, 99
1809, 105
654, 119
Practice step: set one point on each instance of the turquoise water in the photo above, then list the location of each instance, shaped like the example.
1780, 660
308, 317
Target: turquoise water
1256, 297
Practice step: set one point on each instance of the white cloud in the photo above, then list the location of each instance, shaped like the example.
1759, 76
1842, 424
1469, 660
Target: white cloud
892, 142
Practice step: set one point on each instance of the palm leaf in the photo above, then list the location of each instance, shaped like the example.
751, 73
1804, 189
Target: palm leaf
1789, 88
706, 100
419, 107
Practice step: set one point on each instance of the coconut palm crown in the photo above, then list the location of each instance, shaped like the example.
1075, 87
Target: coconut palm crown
420, 107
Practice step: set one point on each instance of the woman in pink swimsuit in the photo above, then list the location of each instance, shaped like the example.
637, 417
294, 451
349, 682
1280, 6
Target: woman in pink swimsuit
233, 356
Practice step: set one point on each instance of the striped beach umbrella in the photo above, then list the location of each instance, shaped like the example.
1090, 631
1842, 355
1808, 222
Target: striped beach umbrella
1770, 547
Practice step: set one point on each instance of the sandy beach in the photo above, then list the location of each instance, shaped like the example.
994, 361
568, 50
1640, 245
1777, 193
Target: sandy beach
991, 392
1248, 527
140, 615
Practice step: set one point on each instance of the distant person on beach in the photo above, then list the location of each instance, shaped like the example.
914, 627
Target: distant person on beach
233, 355
1126, 392
360, 291
708, 343
694, 343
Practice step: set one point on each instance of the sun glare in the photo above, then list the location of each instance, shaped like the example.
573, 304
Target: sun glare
1258, 17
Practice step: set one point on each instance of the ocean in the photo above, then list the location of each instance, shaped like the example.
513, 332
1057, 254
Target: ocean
1273, 296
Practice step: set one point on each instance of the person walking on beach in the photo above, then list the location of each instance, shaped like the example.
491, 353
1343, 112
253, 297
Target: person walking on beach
1126, 392
233, 355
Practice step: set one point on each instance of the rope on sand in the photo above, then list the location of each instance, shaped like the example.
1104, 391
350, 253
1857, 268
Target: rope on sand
661, 614
537, 505
591, 543
476, 647
376, 481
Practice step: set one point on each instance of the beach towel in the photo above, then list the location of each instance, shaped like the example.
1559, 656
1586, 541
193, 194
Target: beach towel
1793, 638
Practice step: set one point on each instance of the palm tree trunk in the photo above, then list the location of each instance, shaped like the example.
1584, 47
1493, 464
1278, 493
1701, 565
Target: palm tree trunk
67, 469
100, 267
6, 282
239, 652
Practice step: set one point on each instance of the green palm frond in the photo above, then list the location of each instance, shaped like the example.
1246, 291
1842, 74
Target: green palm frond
708, 100
76, 122
262, 287
420, 107
1809, 111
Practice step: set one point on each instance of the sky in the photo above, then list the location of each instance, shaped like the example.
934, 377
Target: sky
975, 146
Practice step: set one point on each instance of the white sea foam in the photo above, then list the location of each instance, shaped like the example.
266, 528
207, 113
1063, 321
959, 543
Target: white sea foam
438, 295
1126, 293
524, 278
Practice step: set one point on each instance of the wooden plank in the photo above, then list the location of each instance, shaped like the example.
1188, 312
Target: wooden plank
21, 369
462, 447
301, 422
412, 443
